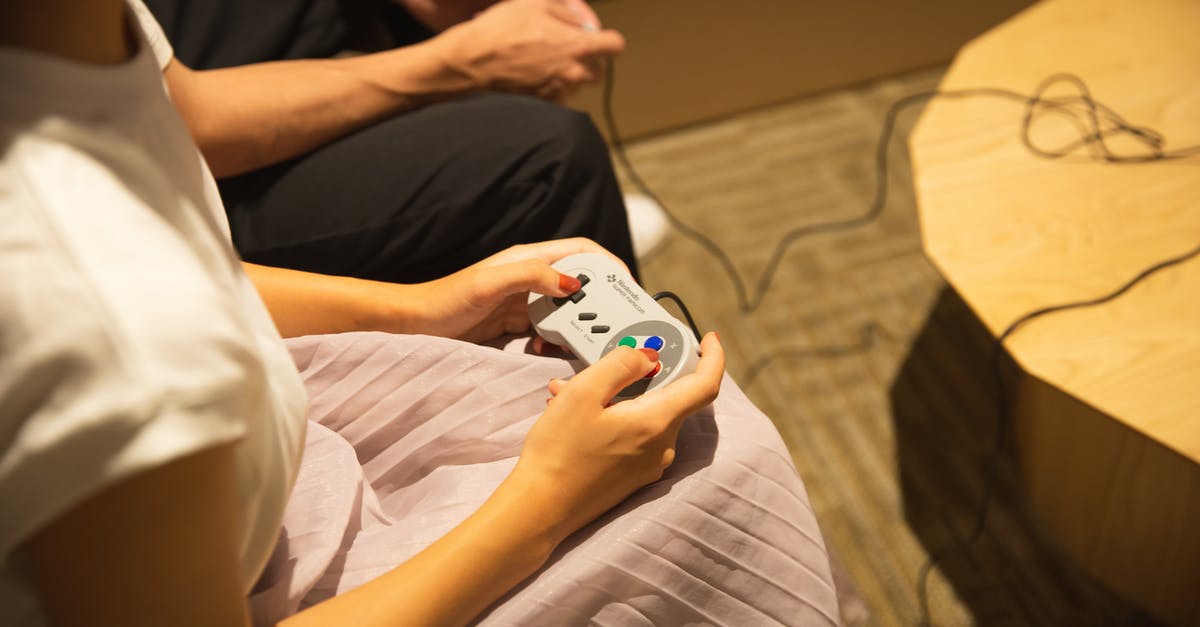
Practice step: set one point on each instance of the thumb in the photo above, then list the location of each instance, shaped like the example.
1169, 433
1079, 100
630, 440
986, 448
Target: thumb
600, 382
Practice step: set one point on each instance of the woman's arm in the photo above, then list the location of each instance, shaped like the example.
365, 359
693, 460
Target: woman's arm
306, 303
506, 540
476, 304
159, 548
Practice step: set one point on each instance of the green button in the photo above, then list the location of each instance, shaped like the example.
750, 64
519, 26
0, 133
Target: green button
628, 341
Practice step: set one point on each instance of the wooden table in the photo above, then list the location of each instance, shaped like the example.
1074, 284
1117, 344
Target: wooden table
1107, 408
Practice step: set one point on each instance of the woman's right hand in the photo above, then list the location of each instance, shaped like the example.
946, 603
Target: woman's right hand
583, 456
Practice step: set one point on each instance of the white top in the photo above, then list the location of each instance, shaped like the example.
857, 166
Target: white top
129, 335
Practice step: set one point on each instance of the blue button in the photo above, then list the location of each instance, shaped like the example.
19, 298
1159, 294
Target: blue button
654, 342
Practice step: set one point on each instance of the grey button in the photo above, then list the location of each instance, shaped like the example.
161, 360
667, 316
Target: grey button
587, 316
600, 328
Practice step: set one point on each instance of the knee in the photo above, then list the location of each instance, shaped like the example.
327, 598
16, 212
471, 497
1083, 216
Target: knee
566, 137
580, 143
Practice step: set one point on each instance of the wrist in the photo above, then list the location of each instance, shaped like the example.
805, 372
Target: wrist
415, 75
541, 518
451, 60
391, 307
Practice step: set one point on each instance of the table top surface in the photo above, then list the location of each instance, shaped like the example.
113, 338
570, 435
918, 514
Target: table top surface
1013, 232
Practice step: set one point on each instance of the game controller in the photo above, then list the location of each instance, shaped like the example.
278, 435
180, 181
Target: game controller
612, 310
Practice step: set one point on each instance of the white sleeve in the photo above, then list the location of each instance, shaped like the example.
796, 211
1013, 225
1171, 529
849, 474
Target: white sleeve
76, 423
153, 33
89, 395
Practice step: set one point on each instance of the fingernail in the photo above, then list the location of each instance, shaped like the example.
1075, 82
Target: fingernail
717, 335
650, 354
568, 283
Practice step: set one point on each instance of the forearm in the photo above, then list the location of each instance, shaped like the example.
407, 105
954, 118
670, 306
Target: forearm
305, 303
248, 117
460, 574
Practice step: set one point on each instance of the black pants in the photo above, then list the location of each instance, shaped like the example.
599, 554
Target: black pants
416, 196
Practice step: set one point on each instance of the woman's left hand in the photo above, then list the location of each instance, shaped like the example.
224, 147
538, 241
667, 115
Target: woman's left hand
490, 298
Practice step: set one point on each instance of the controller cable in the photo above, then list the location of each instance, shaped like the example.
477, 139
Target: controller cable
672, 296
1095, 122
1092, 133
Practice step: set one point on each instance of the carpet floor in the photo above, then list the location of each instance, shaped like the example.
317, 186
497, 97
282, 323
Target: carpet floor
873, 370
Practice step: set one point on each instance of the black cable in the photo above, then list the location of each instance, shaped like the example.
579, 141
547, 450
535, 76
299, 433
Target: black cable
868, 334
1092, 137
682, 307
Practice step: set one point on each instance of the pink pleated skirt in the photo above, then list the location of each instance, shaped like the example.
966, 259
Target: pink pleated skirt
410, 434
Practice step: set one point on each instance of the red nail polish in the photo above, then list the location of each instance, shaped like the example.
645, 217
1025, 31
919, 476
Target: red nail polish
650, 353
568, 283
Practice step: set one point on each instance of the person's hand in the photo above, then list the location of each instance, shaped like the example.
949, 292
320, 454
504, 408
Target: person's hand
584, 456
545, 48
490, 298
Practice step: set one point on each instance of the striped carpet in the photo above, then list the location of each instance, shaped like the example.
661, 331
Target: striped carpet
874, 372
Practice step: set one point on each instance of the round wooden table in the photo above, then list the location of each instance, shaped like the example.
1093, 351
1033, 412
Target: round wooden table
1106, 411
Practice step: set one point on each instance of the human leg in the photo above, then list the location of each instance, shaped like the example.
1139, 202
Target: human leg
424, 194
414, 197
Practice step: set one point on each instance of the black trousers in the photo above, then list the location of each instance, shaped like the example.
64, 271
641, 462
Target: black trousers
416, 196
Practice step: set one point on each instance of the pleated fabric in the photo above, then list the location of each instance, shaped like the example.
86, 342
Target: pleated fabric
410, 434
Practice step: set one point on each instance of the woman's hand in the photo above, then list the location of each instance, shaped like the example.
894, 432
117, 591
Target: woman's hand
490, 298
584, 456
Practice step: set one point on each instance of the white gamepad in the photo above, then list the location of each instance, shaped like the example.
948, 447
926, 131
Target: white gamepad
611, 310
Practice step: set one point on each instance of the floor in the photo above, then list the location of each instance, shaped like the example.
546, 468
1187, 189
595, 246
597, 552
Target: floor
875, 373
